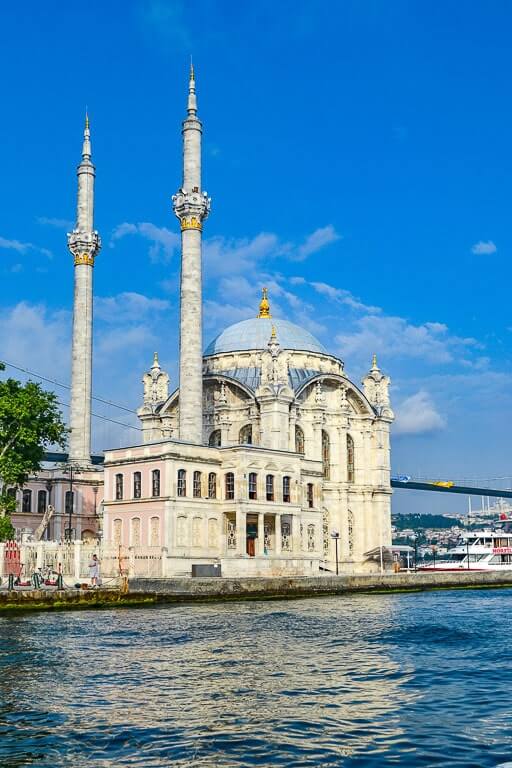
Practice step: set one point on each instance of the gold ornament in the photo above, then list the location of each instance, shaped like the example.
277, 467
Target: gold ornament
84, 258
191, 222
264, 305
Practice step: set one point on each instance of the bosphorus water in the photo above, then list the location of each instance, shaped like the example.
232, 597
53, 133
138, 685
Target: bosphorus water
380, 680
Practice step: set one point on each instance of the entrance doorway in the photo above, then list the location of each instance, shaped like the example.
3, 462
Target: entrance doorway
251, 534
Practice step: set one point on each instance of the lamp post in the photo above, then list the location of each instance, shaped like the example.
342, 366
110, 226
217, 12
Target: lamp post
49, 486
335, 535
414, 537
72, 472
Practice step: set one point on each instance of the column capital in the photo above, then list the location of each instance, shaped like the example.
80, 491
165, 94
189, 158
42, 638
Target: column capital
84, 246
191, 208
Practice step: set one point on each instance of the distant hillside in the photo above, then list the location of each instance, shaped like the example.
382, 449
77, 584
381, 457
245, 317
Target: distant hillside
417, 521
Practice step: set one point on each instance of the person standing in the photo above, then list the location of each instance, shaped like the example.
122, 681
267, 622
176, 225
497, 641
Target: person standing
94, 570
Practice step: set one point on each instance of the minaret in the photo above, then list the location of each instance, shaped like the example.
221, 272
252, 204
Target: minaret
191, 206
83, 243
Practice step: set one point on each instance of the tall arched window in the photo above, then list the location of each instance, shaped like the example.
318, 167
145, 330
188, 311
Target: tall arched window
182, 482
326, 455
119, 487
230, 485
197, 485
350, 459
117, 530
253, 485
41, 502
311, 499
269, 487
299, 440
214, 441
135, 532
154, 532
286, 489
212, 485
26, 504
69, 505
155, 482
137, 485
245, 437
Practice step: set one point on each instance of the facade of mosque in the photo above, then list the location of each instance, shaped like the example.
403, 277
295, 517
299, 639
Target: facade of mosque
267, 459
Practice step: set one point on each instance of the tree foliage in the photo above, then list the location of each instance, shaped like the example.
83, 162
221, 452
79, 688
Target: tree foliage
30, 422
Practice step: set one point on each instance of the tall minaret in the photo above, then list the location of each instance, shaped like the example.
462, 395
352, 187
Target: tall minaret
191, 206
84, 243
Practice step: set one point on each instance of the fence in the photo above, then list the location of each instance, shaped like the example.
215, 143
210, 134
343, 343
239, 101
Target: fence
72, 559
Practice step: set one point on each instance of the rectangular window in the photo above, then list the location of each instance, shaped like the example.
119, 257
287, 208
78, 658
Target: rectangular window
197, 485
253, 485
270, 487
119, 487
27, 501
137, 485
212, 485
230, 486
155, 482
310, 495
286, 489
41, 502
69, 506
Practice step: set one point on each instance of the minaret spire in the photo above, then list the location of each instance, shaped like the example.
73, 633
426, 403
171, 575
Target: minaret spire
191, 205
84, 244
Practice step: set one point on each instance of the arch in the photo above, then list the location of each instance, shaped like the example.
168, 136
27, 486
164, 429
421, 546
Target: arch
214, 441
155, 483
253, 486
299, 439
137, 485
357, 398
326, 455
212, 485
182, 483
135, 532
351, 470
196, 489
88, 535
245, 435
119, 486
229, 480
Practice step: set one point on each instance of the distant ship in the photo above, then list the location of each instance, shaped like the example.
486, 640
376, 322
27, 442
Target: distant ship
488, 549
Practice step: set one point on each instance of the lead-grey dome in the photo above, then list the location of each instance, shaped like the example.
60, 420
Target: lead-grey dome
255, 334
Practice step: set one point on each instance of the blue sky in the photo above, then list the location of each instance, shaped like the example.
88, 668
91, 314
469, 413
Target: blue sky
358, 157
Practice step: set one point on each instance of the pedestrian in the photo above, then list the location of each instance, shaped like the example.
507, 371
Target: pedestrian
94, 570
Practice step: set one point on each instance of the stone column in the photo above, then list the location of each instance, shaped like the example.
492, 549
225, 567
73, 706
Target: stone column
261, 534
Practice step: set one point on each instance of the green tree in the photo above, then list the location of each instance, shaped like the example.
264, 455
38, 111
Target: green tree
30, 422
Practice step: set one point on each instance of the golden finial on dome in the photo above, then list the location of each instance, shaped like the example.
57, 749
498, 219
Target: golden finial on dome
273, 335
264, 305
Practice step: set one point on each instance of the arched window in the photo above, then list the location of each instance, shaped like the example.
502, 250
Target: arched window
155, 482
137, 485
41, 502
119, 487
117, 530
326, 455
350, 537
197, 526
26, 504
135, 532
214, 441
286, 489
182, 482
350, 459
212, 485
69, 502
299, 440
245, 437
213, 532
253, 485
311, 538
310, 494
269, 487
197, 485
154, 532
230, 485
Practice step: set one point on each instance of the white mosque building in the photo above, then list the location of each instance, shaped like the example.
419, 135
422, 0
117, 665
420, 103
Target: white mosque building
267, 459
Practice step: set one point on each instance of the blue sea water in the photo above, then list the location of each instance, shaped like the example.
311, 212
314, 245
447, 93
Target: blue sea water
381, 680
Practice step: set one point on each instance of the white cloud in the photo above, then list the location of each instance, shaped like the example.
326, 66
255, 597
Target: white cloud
317, 240
127, 306
484, 248
19, 247
163, 241
66, 224
343, 297
417, 415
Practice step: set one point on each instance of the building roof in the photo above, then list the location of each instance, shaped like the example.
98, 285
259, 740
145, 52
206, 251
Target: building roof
255, 334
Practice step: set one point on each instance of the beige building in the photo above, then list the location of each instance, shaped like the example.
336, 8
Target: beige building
268, 459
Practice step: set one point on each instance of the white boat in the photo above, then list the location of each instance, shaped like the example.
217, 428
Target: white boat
488, 549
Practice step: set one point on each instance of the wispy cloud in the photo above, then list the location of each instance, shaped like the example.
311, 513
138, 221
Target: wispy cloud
66, 224
20, 247
127, 306
316, 241
417, 415
484, 248
163, 241
341, 296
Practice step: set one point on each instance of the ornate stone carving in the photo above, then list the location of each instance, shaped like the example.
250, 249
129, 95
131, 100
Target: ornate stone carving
191, 208
84, 246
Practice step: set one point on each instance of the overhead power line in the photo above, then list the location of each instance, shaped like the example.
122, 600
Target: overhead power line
105, 418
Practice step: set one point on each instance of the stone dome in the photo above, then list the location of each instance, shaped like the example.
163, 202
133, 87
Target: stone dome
255, 334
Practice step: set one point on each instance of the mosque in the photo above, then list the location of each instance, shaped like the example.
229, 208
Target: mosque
268, 459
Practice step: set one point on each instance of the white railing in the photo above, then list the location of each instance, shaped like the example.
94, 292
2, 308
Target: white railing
72, 559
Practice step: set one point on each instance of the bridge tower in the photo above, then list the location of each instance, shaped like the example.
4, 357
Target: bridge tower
191, 205
84, 244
